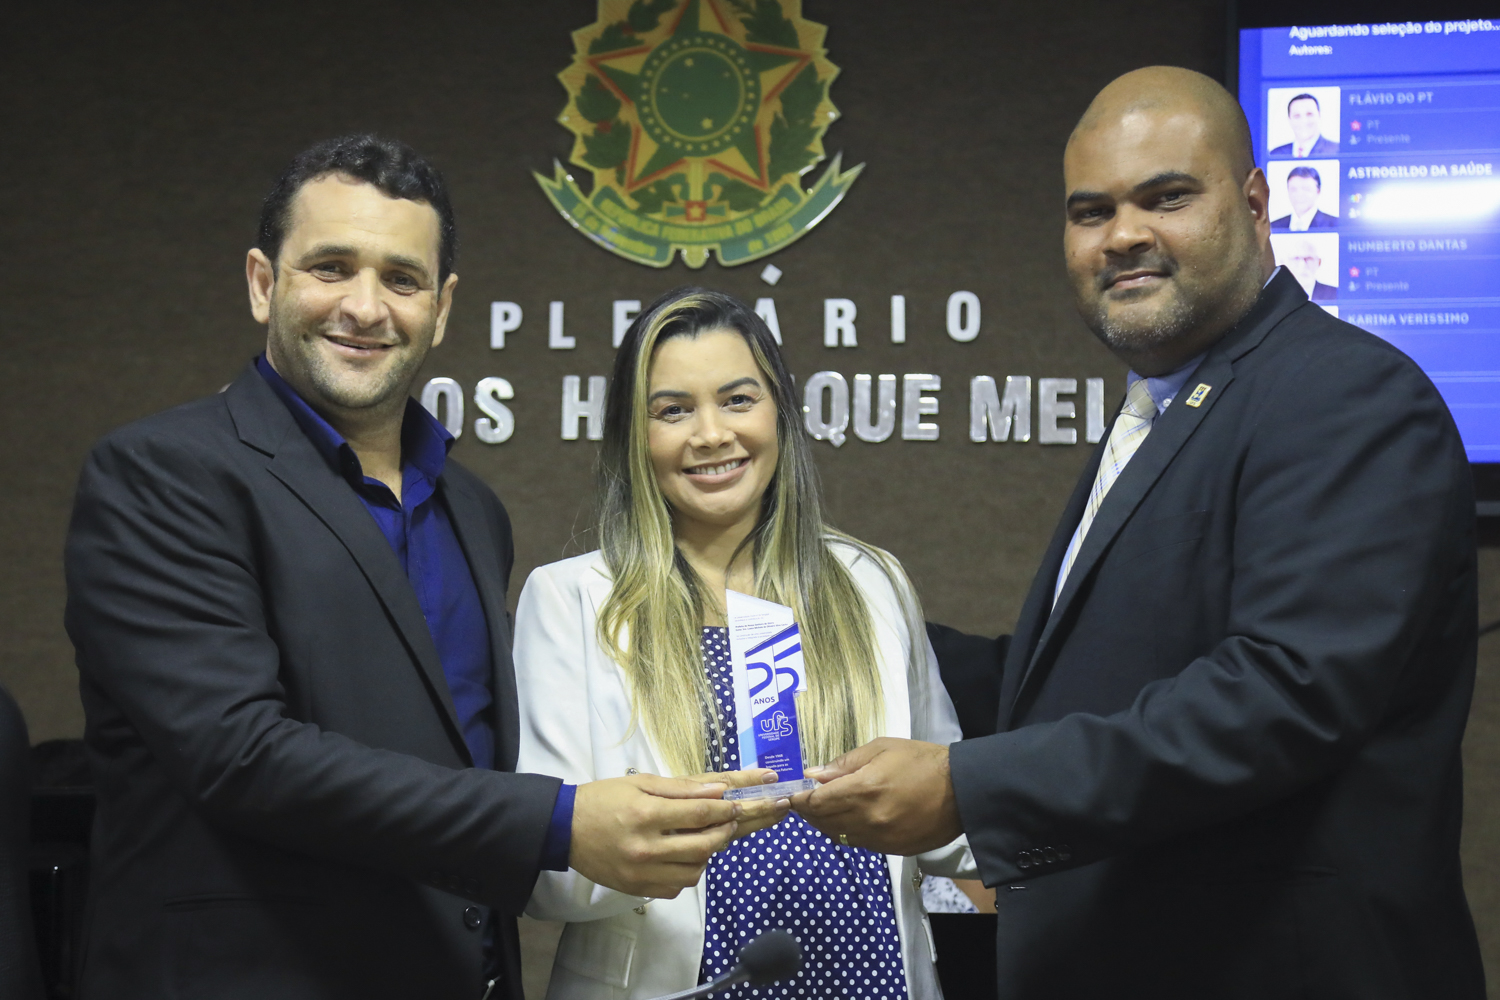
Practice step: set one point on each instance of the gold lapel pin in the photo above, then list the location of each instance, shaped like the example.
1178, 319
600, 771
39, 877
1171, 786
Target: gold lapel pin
1199, 395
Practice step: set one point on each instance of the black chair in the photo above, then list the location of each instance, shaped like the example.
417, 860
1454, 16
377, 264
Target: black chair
966, 955
62, 818
970, 667
20, 973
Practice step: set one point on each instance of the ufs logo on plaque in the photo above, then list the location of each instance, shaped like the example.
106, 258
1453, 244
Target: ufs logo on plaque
698, 119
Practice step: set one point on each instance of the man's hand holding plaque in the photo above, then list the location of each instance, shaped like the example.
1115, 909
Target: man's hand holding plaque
890, 795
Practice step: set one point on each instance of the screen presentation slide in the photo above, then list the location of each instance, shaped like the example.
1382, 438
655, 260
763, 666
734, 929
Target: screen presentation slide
1380, 144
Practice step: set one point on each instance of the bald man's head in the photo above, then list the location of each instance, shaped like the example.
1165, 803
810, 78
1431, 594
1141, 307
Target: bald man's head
1161, 91
1168, 237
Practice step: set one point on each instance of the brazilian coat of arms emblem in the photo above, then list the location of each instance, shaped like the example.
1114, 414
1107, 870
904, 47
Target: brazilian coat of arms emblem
698, 120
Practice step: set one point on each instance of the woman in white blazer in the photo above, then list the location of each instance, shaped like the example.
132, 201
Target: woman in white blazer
707, 484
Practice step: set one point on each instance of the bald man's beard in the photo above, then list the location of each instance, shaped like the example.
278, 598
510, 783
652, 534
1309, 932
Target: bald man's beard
1190, 302
1177, 314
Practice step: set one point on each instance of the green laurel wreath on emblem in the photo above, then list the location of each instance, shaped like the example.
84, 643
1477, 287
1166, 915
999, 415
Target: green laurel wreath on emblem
698, 119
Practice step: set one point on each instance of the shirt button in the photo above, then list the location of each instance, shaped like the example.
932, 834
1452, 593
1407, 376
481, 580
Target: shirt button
1050, 853
631, 770
473, 918
1064, 852
1023, 860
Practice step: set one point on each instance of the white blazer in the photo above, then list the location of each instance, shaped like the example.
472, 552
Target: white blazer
575, 717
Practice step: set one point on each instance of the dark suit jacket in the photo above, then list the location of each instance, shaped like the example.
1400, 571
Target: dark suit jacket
286, 803
1324, 293
1228, 763
20, 972
1322, 148
1320, 220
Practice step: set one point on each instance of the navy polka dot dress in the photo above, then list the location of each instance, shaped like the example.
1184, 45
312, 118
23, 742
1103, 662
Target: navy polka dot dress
835, 900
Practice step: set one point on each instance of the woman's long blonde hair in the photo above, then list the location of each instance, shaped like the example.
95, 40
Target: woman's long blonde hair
650, 624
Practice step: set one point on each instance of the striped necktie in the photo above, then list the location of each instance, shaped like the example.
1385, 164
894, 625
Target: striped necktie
1131, 428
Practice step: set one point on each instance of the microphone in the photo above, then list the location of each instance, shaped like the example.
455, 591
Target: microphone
770, 958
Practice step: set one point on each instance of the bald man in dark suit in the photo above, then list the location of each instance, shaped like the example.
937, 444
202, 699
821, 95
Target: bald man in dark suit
1227, 760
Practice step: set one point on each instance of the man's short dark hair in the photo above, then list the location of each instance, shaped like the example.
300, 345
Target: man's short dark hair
1303, 97
1307, 172
391, 166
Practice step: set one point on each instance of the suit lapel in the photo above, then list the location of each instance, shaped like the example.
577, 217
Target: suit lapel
1170, 432
265, 424
482, 551
1038, 604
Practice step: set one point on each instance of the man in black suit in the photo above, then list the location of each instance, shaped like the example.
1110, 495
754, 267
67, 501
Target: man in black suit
1303, 186
289, 613
1305, 116
1227, 763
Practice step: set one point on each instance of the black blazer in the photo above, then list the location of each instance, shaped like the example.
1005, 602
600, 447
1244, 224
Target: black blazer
1324, 293
1321, 147
286, 803
1228, 762
1320, 220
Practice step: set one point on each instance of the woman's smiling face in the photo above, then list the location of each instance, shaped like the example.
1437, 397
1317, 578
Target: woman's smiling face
711, 429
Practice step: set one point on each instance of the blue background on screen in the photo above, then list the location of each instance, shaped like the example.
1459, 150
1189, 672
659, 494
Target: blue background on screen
1417, 246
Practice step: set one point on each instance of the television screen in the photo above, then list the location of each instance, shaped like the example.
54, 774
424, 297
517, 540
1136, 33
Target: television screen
1381, 145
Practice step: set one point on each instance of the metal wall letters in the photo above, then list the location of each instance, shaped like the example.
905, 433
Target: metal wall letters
998, 412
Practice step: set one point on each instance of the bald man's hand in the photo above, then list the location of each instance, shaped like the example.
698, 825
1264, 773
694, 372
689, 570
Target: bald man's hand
892, 796
649, 836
